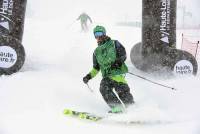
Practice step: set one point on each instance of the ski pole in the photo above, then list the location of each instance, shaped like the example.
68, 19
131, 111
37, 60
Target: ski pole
152, 81
89, 88
123, 105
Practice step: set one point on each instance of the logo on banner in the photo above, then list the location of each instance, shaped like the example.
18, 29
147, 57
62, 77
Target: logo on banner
6, 10
165, 20
183, 67
8, 57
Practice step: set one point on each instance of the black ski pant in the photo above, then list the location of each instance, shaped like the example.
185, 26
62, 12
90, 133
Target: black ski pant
106, 88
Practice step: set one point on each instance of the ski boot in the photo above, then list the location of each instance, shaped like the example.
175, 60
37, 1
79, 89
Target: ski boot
116, 109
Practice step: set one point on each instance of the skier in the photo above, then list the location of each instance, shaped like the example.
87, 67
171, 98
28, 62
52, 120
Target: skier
109, 58
83, 19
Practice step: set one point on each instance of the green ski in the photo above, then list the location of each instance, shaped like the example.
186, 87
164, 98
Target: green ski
95, 118
82, 115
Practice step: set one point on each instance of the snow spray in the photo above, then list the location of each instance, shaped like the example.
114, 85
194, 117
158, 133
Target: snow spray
12, 54
157, 52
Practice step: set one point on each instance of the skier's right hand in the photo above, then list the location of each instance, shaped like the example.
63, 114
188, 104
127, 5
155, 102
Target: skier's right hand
86, 78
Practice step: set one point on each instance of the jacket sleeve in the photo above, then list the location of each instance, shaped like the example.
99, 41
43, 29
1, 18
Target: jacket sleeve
95, 63
95, 68
90, 19
120, 52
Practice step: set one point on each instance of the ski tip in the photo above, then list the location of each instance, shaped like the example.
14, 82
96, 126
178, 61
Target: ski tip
68, 112
82, 115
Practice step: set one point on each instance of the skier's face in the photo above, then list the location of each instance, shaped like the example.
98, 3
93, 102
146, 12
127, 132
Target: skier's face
99, 39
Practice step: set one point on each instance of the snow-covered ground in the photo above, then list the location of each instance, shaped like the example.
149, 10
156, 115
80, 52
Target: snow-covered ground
59, 55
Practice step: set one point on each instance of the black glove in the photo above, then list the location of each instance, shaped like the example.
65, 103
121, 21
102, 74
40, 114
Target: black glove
87, 78
116, 64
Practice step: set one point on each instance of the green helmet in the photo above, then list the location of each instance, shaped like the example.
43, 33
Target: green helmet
99, 29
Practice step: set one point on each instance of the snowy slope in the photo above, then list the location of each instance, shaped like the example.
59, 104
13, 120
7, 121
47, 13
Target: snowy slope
59, 55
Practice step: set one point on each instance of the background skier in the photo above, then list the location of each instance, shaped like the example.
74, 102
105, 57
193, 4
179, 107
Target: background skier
84, 19
109, 58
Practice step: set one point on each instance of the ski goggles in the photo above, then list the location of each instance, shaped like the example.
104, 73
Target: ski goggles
98, 34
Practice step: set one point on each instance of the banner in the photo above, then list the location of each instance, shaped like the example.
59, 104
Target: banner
12, 54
